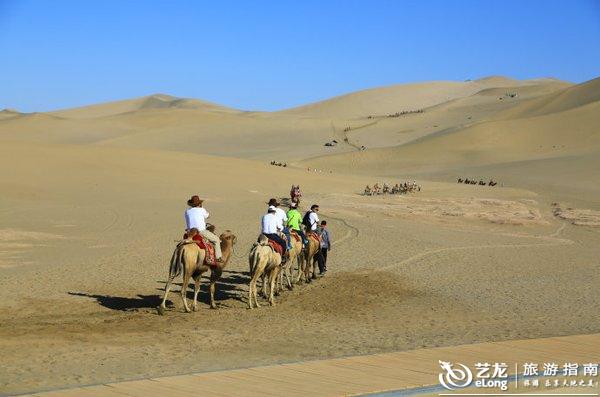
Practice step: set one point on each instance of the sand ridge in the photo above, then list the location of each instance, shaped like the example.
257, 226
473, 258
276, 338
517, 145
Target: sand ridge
92, 200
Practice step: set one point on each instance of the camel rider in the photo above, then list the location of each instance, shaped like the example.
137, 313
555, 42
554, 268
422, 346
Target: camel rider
294, 220
311, 219
270, 227
282, 221
195, 217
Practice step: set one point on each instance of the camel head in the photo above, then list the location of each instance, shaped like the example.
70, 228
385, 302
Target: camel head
229, 236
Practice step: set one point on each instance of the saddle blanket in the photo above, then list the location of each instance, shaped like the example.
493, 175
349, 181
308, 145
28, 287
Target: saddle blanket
314, 236
276, 247
210, 258
295, 235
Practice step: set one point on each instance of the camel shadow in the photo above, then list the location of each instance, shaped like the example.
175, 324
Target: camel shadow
122, 303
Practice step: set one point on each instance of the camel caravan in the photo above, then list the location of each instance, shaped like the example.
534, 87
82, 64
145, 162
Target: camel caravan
288, 251
398, 188
475, 182
278, 163
398, 114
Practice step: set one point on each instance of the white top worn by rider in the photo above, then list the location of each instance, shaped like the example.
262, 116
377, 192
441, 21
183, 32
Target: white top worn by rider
270, 222
314, 221
313, 217
196, 217
281, 217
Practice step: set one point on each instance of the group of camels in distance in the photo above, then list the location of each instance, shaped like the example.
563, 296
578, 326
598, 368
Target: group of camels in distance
265, 263
475, 182
278, 163
398, 114
398, 188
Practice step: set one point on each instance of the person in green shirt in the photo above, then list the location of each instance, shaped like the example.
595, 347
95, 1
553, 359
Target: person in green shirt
294, 221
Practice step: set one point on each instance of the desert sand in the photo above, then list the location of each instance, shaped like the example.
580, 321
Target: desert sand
92, 200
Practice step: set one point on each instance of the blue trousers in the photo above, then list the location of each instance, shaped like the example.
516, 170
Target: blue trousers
286, 231
278, 240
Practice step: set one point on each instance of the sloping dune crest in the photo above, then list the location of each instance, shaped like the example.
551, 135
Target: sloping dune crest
561, 124
401, 97
156, 101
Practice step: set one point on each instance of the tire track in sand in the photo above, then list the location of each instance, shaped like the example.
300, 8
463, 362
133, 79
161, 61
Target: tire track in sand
553, 240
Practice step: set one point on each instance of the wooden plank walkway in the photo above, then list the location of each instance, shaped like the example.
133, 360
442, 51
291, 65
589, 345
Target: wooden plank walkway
351, 375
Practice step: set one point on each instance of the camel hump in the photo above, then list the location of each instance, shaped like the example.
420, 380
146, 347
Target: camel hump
263, 240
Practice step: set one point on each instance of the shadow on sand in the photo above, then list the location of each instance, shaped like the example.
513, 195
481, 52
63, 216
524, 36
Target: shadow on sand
121, 303
229, 287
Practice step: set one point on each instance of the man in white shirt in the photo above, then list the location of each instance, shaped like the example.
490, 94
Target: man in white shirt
313, 218
282, 218
270, 227
195, 217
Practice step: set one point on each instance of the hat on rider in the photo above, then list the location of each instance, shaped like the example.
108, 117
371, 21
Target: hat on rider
195, 201
273, 202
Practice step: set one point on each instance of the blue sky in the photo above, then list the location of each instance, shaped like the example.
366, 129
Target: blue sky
268, 55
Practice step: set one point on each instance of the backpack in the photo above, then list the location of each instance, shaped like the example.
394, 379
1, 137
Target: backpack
306, 220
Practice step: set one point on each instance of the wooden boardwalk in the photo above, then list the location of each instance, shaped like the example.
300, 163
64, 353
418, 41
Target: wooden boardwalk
353, 375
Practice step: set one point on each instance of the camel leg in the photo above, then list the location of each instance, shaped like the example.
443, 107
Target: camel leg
307, 267
196, 291
279, 283
214, 276
250, 286
252, 291
288, 277
272, 281
266, 281
163, 306
184, 287
301, 269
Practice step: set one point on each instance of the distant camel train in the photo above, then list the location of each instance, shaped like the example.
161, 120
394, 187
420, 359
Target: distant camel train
397, 114
398, 188
474, 182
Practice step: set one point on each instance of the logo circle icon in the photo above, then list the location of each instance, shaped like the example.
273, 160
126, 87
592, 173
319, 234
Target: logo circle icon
453, 378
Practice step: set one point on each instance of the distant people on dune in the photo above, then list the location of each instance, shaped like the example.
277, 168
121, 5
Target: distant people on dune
295, 194
278, 164
405, 112
397, 114
398, 188
475, 182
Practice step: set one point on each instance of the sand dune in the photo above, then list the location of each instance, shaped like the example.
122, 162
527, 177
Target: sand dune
570, 131
396, 98
92, 200
568, 98
156, 101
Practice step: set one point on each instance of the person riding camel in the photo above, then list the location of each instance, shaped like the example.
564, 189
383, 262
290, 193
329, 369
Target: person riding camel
282, 220
294, 220
311, 219
195, 217
270, 228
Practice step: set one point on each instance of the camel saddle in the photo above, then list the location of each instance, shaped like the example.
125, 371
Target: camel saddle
315, 236
295, 235
276, 247
210, 258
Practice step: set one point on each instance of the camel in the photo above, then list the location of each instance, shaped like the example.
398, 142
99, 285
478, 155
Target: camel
310, 252
296, 255
262, 260
188, 258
